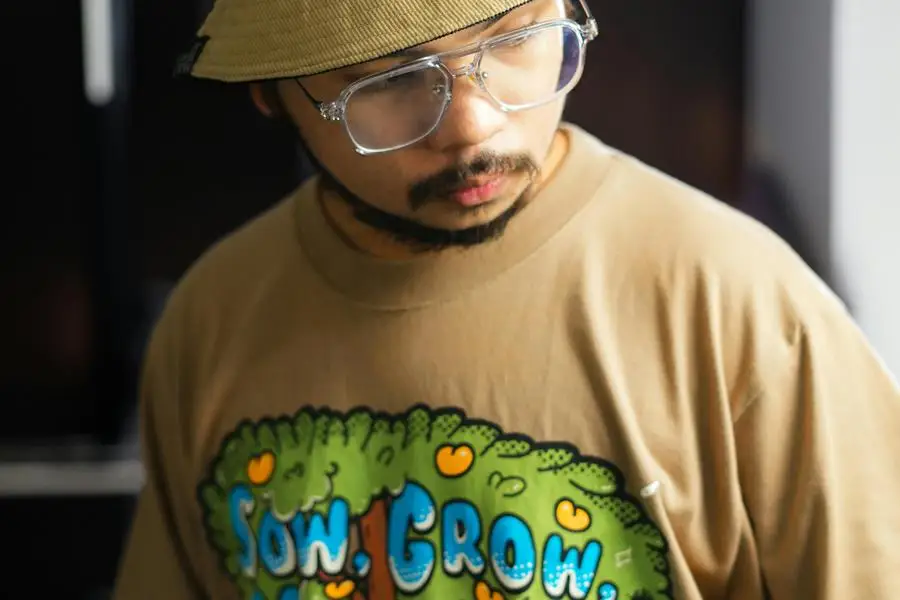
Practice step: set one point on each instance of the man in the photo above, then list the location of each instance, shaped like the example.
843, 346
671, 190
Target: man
485, 356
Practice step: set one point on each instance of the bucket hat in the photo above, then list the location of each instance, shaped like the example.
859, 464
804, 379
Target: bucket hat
254, 40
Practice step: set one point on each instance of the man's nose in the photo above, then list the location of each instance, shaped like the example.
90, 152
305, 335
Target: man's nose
471, 119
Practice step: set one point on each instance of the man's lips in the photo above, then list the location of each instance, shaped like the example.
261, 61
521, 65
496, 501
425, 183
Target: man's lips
477, 190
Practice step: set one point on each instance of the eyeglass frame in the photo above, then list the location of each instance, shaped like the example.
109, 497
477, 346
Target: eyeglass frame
335, 110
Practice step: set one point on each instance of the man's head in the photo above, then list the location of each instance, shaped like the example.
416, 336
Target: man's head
440, 151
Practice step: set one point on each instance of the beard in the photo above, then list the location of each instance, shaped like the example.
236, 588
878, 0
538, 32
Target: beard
425, 238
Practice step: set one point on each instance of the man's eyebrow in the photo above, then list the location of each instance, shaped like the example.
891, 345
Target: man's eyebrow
420, 52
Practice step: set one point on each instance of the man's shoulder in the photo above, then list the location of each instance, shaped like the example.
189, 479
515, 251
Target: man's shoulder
238, 265
718, 286
685, 243
653, 219
682, 222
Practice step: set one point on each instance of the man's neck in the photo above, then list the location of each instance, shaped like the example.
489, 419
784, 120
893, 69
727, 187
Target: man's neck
380, 244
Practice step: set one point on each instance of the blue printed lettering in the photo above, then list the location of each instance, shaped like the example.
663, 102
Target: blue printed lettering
276, 548
289, 592
511, 548
574, 571
411, 562
240, 506
321, 547
362, 562
461, 532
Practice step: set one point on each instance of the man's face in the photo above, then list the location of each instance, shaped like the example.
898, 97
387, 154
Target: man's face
461, 183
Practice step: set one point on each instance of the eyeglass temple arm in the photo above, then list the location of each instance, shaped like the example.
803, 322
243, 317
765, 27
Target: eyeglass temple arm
317, 103
590, 28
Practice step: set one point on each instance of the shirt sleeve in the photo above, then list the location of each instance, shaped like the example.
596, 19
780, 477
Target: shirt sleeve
157, 558
818, 451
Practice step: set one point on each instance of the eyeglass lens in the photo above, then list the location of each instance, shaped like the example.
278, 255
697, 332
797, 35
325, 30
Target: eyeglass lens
520, 73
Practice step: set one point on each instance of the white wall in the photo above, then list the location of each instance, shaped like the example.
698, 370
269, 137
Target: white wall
824, 110
865, 150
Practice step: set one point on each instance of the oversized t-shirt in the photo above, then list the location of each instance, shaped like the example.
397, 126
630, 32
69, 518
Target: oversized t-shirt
635, 394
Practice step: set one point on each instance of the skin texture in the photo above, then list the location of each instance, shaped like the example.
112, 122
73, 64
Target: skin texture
405, 193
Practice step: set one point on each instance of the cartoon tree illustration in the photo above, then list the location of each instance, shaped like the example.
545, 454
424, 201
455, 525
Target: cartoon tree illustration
303, 507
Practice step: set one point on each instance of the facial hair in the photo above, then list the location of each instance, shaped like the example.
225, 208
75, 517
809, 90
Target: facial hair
425, 238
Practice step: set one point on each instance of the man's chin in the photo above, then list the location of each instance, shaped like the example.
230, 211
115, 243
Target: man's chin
454, 216
459, 227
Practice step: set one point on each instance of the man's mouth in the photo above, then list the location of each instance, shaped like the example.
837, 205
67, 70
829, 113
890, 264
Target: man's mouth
478, 190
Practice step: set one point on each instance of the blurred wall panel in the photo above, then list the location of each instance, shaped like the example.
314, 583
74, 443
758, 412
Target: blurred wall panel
790, 77
204, 161
865, 177
199, 163
45, 307
665, 81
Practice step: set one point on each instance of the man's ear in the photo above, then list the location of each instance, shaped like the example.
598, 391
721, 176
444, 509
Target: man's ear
258, 95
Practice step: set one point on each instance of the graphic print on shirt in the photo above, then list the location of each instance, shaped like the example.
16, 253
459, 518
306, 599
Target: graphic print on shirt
426, 504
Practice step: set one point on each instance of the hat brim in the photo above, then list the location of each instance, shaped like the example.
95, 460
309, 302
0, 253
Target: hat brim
254, 40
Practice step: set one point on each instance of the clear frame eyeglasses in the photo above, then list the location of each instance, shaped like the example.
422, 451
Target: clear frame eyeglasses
519, 70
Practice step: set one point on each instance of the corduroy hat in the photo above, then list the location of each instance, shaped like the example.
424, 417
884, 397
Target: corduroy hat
252, 40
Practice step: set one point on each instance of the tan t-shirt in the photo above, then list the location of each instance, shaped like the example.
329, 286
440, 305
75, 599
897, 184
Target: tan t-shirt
635, 394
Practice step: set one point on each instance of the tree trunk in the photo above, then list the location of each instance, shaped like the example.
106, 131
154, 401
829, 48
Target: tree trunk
374, 542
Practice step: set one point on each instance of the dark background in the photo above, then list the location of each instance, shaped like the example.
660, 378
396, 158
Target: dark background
105, 209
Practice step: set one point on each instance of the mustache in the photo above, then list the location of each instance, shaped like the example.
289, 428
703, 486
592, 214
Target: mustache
442, 184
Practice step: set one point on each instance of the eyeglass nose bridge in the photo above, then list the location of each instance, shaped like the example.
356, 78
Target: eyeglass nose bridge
469, 70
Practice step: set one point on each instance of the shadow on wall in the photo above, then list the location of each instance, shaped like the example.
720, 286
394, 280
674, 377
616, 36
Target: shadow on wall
764, 197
